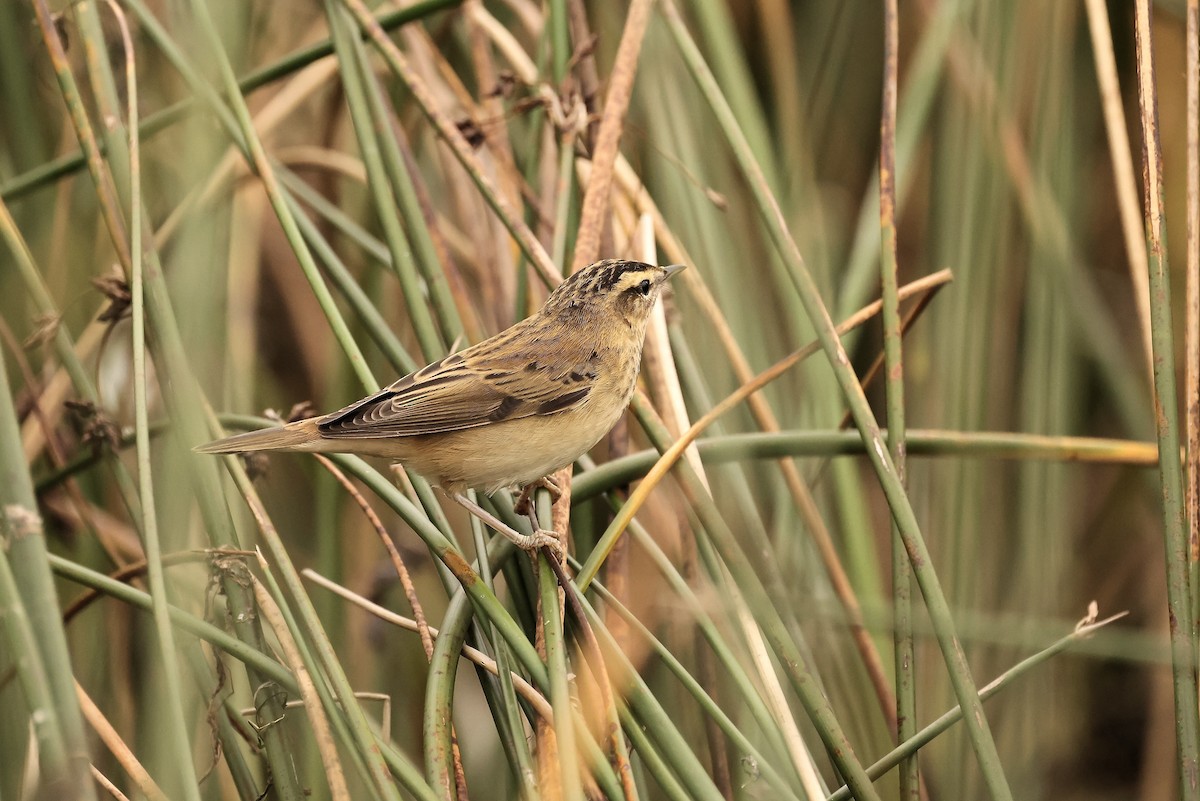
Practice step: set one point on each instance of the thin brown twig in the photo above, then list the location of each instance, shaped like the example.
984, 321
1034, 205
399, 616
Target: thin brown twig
107, 784
872, 372
1192, 309
1128, 204
608, 139
117, 747
397, 560
135, 569
410, 592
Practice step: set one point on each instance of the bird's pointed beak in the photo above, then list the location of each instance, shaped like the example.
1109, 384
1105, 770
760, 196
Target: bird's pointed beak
671, 269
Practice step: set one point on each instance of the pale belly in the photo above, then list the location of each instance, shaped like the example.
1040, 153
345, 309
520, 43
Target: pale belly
510, 453
516, 452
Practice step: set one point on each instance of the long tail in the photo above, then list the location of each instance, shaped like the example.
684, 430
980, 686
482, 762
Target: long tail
301, 435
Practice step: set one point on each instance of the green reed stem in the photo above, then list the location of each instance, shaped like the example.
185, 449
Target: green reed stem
902, 512
1166, 416
33, 631
893, 350
168, 653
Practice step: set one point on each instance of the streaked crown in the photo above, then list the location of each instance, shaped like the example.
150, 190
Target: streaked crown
630, 287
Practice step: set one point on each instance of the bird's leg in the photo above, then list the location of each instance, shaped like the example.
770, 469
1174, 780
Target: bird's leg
524, 502
526, 542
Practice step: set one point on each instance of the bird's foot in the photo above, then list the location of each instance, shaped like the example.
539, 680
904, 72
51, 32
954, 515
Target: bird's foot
540, 538
531, 543
524, 503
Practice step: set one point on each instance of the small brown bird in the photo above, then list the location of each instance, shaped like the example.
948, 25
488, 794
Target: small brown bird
508, 411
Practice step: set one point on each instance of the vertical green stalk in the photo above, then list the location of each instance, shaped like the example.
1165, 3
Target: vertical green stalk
557, 663
1192, 314
399, 171
168, 654
939, 610
893, 346
32, 622
266, 173
182, 391
363, 101
439, 696
1166, 418
770, 618
510, 724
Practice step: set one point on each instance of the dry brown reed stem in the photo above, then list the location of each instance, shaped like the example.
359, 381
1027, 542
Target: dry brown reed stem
489, 254
1128, 204
1191, 395
494, 122
432, 66
526, 690
595, 211
616, 103
317, 720
503, 40
107, 784
117, 747
585, 68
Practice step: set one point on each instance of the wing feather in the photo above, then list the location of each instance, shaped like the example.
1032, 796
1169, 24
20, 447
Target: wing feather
488, 383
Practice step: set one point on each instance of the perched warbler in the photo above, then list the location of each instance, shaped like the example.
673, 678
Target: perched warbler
508, 411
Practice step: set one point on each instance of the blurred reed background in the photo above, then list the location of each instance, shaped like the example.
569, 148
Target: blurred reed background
319, 213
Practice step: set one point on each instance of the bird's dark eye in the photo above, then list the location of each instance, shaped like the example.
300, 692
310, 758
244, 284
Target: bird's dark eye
644, 287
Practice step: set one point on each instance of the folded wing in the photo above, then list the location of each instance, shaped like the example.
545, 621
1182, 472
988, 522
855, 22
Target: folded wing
482, 385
